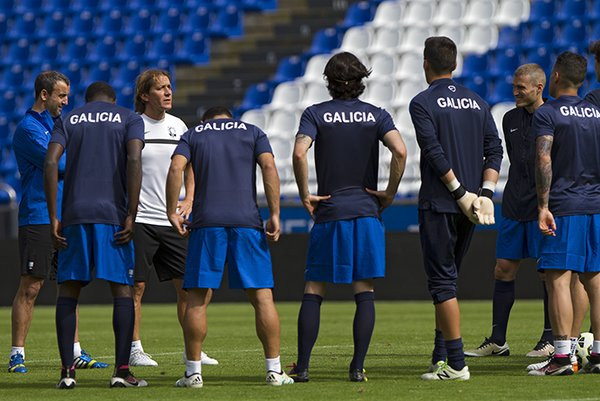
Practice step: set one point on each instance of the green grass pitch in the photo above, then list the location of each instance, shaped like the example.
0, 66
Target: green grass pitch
399, 353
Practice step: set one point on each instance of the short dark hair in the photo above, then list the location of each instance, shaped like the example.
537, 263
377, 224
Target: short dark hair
440, 53
47, 80
99, 89
215, 111
344, 73
595, 49
572, 67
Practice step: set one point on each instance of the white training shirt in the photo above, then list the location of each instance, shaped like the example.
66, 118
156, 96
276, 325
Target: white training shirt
161, 138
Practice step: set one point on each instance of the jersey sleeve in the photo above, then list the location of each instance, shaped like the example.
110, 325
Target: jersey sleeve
506, 131
59, 134
31, 146
543, 121
183, 147
135, 128
492, 144
261, 145
386, 124
594, 98
308, 125
427, 138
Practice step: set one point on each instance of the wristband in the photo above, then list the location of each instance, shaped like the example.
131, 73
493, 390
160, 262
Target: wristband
453, 185
487, 189
459, 192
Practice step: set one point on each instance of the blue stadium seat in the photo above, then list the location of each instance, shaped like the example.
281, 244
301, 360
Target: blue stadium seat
539, 56
46, 52
505, 63
125, 96
288, 69
7, 6
8, 162
227, 23
76, 49
56, 5
99, 72
139, 22
13, 78
168, 21
105, 50
24, 26
593, 12
82, 24
109, 5
3, 25
541, 9
5, 131
134, 48
110, 24
502, 90
18, 52
540, 34
197, 21
53, 25
79, 5
324, 41
357, 14
572, 34
478, 84
165, 4
25, 6
510, 37
162, 48
127, 74
8, 102
475, 64
194, 49
571, 9
255, 97
73, 72
135, 5
259, 5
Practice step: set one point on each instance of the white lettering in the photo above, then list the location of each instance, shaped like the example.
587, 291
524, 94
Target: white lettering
347, 118
102, 116
220, 126
582, 112
458, 103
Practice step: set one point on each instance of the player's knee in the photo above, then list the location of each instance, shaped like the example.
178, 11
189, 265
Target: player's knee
121, 290
505, 271
441, 292
138, 290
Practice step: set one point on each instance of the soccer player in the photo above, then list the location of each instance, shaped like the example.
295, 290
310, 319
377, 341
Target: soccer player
460, 148
38, 256
518, 236
226, 228
347, 242
568, 184
103, 174
156, 244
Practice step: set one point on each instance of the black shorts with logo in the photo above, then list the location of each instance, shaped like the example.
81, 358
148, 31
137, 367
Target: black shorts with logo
38, 256
161, 248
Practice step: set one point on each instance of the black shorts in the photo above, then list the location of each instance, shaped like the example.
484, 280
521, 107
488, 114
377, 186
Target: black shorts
161, 248
38, 256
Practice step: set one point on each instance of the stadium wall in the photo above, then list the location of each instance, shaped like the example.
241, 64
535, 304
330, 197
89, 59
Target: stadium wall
405, 279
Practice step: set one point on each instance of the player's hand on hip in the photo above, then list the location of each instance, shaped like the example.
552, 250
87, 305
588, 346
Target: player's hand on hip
546, 222
311, 202
273, 228
383, 197
184, 208
180, 224
465, 203
126, 234
58, 240
484, 210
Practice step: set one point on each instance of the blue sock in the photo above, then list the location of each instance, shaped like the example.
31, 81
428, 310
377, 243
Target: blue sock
456, 356
504, 297
362, 329
123, 318
308, 327
547, 334
439, 348
66, 321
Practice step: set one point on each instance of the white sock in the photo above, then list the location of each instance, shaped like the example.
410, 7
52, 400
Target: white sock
192, 367
17, 350
573, 345
273, 364
137, 346
562, 347
76, 350
596, 347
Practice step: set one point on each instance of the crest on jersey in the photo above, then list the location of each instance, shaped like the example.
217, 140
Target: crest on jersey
452, 88
172, 132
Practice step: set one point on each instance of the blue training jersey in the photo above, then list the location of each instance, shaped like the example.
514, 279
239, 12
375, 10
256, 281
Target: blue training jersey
575, 125
95, 138
30, 144
455, 130
519, 200
346, 134
594, 97
224, 153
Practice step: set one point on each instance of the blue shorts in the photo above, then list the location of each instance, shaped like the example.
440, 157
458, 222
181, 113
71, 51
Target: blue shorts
244, 250
576, 246
344, 251
92, 247
518, 239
